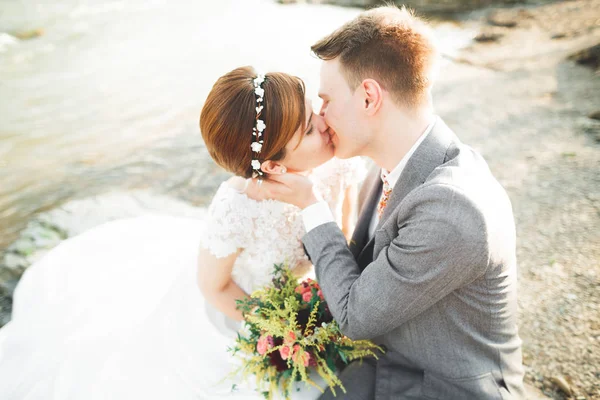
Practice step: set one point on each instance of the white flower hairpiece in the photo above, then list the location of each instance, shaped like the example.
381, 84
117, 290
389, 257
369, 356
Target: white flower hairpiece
257, 131
256, 147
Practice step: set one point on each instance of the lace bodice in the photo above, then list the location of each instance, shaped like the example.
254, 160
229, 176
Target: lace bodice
270, 232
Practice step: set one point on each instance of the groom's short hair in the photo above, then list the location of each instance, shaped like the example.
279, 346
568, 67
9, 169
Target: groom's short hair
388, 44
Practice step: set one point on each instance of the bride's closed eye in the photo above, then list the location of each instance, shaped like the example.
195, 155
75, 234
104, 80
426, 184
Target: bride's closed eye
310, 128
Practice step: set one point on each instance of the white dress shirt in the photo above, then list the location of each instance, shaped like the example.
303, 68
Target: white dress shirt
319, 213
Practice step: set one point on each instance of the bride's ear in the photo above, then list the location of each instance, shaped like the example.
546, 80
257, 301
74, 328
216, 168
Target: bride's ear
273, 168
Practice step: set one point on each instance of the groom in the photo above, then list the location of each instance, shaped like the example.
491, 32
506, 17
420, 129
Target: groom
431, 270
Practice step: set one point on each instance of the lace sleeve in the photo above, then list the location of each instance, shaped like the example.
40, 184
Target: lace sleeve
229, 223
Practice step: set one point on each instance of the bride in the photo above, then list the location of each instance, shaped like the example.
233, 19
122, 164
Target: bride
144, 308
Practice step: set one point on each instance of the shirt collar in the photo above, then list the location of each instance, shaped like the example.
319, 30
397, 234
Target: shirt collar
393, 176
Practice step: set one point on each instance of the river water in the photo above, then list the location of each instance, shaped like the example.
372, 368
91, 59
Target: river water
108, 96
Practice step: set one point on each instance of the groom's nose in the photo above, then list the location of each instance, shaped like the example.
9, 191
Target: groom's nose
321, 124
323, 109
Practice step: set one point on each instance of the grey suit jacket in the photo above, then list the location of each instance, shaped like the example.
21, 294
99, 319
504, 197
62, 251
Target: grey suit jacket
437, 283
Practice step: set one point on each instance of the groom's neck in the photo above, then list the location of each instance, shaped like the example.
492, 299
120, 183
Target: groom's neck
398, 130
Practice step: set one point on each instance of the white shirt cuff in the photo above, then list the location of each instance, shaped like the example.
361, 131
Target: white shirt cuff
316, 215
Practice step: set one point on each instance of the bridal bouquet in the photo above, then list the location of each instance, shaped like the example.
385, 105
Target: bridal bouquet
290, 332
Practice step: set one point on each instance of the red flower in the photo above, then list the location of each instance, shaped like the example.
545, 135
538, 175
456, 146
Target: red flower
276, 360
312, 361
307, 296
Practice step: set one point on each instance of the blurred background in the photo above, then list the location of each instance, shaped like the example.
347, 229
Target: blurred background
99, 107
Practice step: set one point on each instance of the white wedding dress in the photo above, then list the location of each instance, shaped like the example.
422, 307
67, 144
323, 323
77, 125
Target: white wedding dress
115, 313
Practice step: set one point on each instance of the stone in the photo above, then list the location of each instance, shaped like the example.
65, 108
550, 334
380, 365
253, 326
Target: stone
595, 115
589, 57
44, 236
14, 261
562, 384
504, 21
30, 34
589, 126
7, 287
487, 37
23, 246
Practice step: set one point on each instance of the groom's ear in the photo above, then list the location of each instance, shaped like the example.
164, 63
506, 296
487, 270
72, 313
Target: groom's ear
372, 96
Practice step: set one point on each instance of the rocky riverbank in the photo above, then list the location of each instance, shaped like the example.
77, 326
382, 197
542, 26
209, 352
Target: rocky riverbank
527, 94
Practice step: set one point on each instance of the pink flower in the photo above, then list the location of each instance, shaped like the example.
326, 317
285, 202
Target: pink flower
306, 296
320, 294
285, 352
264, 344
261, 346
304, 358
295, 355
290, 338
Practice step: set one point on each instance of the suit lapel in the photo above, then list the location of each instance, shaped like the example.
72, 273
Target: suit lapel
361, 232
430, 154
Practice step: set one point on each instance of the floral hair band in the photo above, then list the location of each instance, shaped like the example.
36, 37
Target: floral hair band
257, 131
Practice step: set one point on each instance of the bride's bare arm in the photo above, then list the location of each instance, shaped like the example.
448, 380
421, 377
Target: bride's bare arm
349, 211
216, 284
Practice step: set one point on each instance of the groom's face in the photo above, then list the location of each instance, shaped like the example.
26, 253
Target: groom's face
342, 110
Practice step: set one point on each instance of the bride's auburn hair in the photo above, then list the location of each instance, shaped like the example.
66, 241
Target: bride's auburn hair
229, 115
